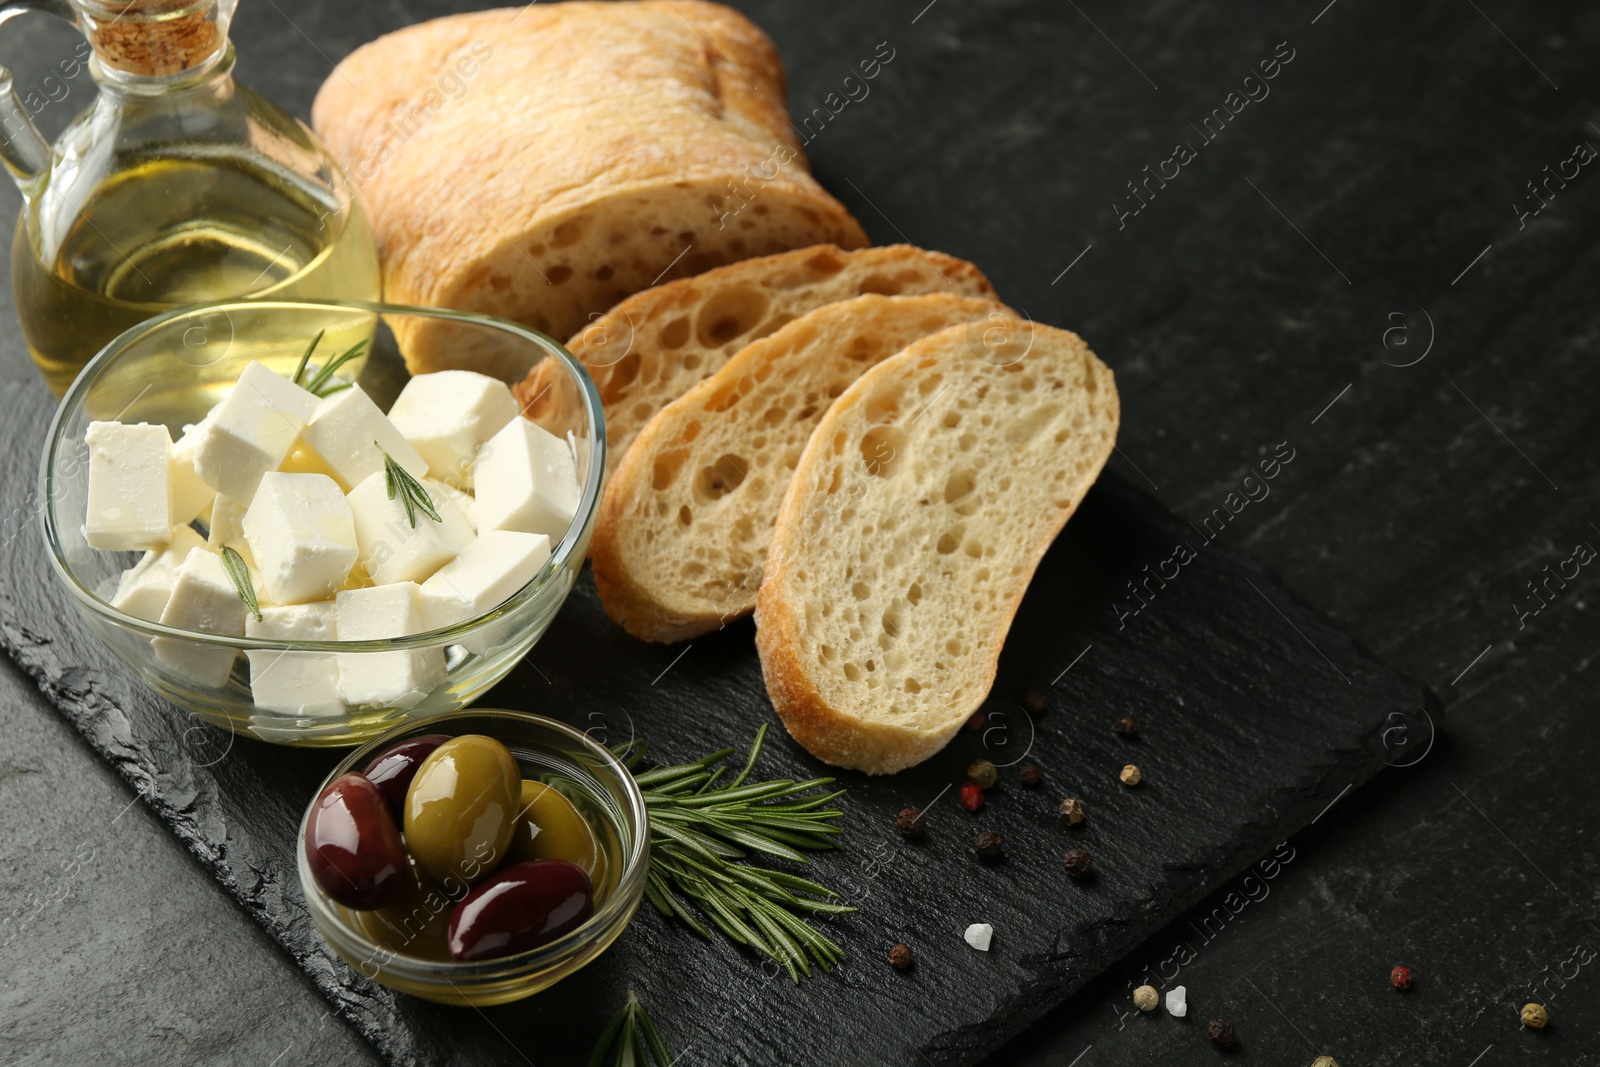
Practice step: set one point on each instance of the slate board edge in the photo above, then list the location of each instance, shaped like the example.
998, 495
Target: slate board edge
95, 717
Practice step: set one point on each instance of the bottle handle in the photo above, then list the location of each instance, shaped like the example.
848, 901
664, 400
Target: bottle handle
23, 149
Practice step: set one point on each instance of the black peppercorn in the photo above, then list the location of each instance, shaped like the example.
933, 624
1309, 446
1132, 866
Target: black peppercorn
1033, 702
1078, 862
900, 957
990, 845
977, 721
1220, 1031
1125, 727
911, 823
1029, 775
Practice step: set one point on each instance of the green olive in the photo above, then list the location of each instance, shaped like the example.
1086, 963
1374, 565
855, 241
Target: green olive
462, 808
551, 829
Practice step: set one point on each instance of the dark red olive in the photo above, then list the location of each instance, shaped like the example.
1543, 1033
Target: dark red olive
354, 845
392, 769
521, 907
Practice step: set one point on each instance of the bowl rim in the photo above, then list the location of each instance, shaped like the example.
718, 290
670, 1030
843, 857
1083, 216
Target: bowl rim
626, 898
582, 521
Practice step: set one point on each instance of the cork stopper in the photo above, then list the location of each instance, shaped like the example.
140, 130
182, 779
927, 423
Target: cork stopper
152, 38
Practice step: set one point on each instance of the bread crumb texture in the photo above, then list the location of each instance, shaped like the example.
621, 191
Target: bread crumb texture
654, 346
918, 513
686, 518
543, 162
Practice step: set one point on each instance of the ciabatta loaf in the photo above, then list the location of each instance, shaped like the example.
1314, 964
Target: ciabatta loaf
911, 528
652, 347
543, 161
685, 519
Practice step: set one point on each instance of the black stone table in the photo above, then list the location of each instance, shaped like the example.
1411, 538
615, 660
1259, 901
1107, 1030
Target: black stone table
1348, 256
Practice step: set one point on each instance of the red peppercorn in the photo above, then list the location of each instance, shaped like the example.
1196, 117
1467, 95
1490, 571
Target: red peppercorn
900, 957
977, 721
1400, 978
1033, 702
972, 797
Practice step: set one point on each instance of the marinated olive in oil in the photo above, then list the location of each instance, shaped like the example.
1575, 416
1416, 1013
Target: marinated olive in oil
550, 828
417, 921
521, 907
461, 808
353, 845
393, 769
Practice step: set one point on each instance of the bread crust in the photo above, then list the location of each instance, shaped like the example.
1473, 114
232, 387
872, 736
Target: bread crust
638, 355
845, 737
520, 161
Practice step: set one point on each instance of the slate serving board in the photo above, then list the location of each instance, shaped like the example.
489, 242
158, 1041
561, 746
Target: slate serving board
1254, 714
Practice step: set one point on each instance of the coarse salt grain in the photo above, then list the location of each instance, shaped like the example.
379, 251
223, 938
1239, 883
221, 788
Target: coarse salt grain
1177, 1002
979, 935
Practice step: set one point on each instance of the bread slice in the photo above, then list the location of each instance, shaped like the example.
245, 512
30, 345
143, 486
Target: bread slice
911, 528
652, 347
542, 161
685, 519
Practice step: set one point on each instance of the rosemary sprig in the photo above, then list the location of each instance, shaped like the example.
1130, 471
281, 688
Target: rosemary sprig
233, 563
698, 833
412, 493
319, 383
305, 357
631, 1039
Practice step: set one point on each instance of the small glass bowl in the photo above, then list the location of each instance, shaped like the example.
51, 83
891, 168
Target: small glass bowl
172, 369
605, 794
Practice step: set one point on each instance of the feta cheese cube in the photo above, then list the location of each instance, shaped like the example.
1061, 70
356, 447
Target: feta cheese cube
227, 529
203, 599
463, 501
448, 416
486, 574
351, 435
391, 679
130, 471
526, 481
392, 550
302, 536
251, 432
189, 495
295, 683
144, 589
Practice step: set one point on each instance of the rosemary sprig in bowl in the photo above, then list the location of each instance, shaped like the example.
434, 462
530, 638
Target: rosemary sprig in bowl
413, 495
699, 831
321, 383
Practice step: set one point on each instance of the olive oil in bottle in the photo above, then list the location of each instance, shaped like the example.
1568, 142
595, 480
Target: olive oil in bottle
177, 187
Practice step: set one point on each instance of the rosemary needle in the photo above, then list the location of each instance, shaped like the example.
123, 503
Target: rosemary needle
318, 385
234, 564
306, 356
413, 495
700, 832
631, 1039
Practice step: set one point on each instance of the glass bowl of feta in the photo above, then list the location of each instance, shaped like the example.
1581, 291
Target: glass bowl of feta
285, 532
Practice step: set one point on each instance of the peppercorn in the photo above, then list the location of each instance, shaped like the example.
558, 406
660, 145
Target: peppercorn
977, 721
1125, 727
1130, 775
1534, 1016
1078, 862
900, 957
1071, 811
990, 846
984, 773
911, 823
1029, 775
1324, 1061
972, 797
1033, 702
1220, 1031
1145, 998
1400, 978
